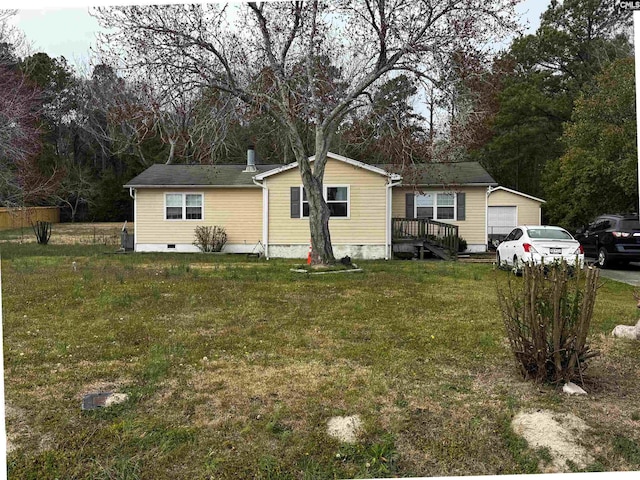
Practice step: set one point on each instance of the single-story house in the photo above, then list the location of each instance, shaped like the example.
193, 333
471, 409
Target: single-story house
263, 207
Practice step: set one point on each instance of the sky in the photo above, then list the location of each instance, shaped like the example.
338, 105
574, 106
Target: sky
65, 28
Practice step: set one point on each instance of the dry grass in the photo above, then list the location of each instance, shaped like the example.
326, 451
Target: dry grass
72, 234
233, 368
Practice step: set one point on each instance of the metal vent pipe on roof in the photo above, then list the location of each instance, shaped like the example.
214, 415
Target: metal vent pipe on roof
251, 159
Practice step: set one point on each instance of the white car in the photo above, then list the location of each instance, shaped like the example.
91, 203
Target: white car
538, 244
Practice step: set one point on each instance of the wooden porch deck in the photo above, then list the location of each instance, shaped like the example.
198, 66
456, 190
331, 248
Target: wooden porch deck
439, 238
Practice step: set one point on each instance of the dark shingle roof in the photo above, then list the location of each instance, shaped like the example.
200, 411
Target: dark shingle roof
161, 175
460, 173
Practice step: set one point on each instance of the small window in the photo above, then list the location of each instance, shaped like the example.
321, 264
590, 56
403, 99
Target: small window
424, 206
305, 203
517, 233
337, 199
446, 206
174, 206
181, 206
194, 207
436, 206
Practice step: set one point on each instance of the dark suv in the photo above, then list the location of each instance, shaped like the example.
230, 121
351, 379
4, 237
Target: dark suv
611, 238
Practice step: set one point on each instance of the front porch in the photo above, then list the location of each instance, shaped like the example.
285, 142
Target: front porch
423, 234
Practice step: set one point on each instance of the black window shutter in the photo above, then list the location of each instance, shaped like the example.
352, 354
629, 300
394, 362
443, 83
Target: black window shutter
461, 205
295, 202
409, 213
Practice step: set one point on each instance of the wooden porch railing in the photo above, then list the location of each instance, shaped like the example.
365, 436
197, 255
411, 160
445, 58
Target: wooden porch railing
440, 234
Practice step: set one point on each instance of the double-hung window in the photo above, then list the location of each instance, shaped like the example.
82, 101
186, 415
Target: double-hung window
436, 206
337, 198
183, 206
446, 206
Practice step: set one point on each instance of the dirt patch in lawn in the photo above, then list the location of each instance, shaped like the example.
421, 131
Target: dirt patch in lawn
560, 434
345, 429
17, 427
19, 432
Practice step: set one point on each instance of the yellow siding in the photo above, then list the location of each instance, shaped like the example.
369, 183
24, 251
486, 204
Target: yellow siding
367, 196
472, 229
528, 209
238, 210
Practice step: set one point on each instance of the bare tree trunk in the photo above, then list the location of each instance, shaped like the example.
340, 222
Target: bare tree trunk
172, 150
321, 249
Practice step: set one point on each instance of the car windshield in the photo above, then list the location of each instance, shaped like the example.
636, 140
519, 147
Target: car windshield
629, 225
549, 233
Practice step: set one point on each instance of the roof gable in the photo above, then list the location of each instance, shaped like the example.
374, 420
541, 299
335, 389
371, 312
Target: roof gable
334, 156
515, 192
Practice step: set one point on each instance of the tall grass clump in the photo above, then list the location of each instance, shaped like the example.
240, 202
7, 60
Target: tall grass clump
210, 239
547, 320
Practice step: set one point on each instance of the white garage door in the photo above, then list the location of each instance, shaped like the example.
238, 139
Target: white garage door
501, 220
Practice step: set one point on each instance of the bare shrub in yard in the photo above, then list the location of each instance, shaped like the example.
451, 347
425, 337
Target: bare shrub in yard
210, 239
42, 231
547, 320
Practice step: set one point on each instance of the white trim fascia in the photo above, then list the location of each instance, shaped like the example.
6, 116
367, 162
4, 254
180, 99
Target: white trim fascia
265, 216
275, 171
133, 194
350, 161
388, 247
449, 185
515, 192
357, 163
486, 217
189, 186
540, 216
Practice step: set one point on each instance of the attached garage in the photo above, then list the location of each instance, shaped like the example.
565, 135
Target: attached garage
507, 209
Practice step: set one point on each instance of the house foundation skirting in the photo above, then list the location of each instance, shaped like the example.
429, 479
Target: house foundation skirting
366, 252
480, 248
190, 248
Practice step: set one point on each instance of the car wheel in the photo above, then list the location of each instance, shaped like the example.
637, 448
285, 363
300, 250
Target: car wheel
603, 258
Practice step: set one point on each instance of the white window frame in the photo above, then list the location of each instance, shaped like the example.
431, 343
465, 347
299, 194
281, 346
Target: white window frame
435, 205
184, 207
324, 194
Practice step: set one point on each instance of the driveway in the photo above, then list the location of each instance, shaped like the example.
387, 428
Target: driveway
627, 274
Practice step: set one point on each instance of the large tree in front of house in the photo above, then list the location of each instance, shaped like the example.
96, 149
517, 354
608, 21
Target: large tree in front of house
281, 57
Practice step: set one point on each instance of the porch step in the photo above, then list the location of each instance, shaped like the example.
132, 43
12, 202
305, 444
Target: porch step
439, 252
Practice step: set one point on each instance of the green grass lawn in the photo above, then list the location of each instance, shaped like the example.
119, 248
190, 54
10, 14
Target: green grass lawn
233, 367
